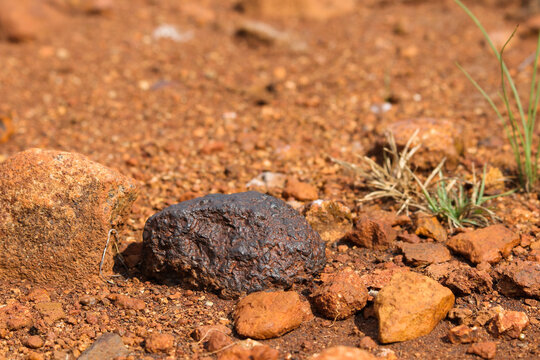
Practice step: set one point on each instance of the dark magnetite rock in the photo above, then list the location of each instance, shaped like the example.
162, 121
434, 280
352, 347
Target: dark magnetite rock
231, 244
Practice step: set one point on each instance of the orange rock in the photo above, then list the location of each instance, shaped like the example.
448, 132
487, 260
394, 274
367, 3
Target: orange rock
157, 343
342, 296
56, 209
266, 315
343, 353
462, 334
51, 312
486, 350
330, 219
15, 316
308, 9
425, 253
299, 190
410, 306
127, 302
489, 244
430, 227
509, 323
33, 342
372, 234
249, 350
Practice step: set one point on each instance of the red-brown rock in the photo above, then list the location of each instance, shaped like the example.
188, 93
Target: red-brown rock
425, 253
159, 343
372, 234
521, 278
33, 342
301, 191
489, 244
465, 280
214, 337
462, 334
265, 315
127, 302
342, 296
410, 306
343, 353
249, 350
332, 220
56, 209
430, 227
15, 316
509, 323
486, 350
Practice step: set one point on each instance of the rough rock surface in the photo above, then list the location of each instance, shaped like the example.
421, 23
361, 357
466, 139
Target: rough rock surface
158, 343
462, 334
509, 323
249, 350
6, 128
341, 296
465, 280
58, 205
232, 244
372, 233
489, 244
486, 350
24, 20
521, 278
343, 353
425, 253
107, 347
411, 305
330, 219
299, 190
266, 315
430, 227
308, 9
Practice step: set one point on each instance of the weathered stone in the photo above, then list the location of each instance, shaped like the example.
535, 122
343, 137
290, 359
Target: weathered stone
233, 244
214, 337
249, 350
127, 302
308, 9
462, 316
259, 33
15, 316
462, 334
330, 219
508, 323
56, 209
342, 296
486, 350
372, 234
465, 280
521, 278
430, 227
410, 306
343, 353
367, 343
268, 182
379, 278
266, 315
51, 312
425, 253
159, 343
489, 244
439, 138
106, 347
301, 191
33, 342
24, 20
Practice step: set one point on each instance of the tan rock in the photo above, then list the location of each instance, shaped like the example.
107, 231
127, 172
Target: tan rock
430, 227
33, 342
127, 302
372, 234
159, 343
308, 9
249, 350
462, 334
486, 350
51, 312
56, 209
330, 219
520, 278
489, 244
24, 20
301, 191
509, 323
343, 353
425, 253
214, 337
342, 296
410, 306
265, 315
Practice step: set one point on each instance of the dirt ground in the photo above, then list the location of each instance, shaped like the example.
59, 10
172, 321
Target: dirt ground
209, 114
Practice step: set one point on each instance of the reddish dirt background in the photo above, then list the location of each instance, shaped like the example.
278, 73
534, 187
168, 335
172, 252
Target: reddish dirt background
160, 111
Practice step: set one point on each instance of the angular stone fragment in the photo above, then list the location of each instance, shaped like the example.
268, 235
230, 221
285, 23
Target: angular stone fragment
266, 315
486, 350
430, 227
343, 353
440, 139
301, 191
521, 278
308, 9
159, 343
56, 209
489, 244
51, 312
410, 306
15, 316
508, 323
106, 347
372, 234
465, 280
330, 219
232, 244
249, 349
462, 334
342, 296
425, 253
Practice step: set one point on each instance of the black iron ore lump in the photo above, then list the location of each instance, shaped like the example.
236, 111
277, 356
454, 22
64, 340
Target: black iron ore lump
231, 244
